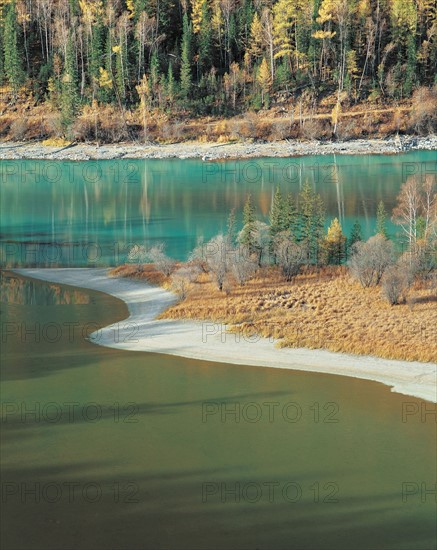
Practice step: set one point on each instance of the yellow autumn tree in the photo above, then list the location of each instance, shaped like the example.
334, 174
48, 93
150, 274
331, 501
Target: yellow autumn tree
288, 15
105, 81
334, 244
143, 89
196, 14
264, 79
256, 42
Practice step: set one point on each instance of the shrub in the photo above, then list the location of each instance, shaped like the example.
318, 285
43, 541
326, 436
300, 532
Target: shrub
163, 263
171, 131
18, 129
370, 259
243, 266
289, 255
347, 129
280, 130
313, 129
424, 110
217, 259
394, 284
181, 281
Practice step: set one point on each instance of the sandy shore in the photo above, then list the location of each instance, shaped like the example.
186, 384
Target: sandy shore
214, 151
210, 341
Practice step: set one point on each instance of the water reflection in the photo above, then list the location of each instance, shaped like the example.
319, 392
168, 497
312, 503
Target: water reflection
18, 291
91, 213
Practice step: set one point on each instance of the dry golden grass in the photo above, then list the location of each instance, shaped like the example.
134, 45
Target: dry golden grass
325, 309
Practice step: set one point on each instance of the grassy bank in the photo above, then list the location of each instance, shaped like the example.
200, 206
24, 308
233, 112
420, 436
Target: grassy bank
323, 309
28, 120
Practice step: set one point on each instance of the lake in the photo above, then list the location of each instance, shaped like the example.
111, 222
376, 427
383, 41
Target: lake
57, 213
111, 449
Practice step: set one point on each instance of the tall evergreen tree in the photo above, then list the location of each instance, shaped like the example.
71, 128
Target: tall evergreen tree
278, 220
12, 52
311, 221
249, 219
356, 234
186, 59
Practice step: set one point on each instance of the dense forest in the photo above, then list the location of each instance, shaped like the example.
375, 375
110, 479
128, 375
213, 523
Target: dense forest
214, 57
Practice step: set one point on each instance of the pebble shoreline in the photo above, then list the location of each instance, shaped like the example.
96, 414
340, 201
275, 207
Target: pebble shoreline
214, 151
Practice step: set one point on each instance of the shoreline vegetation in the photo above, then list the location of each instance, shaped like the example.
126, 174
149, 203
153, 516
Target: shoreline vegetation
291, 280
320, 310
210, 151
217, 70
210, 342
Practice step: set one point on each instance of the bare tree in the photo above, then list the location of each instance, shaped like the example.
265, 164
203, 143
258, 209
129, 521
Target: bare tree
289, 255
216, 254
395, 284
137, 254
417, 204
370, 259
243, 266
197, 255
163, 263
182, 279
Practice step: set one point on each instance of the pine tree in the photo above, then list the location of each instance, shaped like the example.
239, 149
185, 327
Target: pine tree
290, 214
278, 221
205, 39
249, 219
186, 57
311, 221
170, 86
356, 234
381, 220
12, 54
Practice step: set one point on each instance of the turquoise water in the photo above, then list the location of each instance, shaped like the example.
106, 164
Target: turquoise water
91, 213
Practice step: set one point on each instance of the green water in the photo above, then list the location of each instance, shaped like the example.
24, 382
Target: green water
57, 213
137, 440
130, 450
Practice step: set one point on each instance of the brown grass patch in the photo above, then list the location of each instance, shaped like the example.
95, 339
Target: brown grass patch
320, 309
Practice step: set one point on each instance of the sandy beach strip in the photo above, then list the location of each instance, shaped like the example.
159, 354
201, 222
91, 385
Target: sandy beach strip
214, 151
211, 342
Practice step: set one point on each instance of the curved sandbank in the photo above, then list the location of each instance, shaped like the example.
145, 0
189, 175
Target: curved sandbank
210, 341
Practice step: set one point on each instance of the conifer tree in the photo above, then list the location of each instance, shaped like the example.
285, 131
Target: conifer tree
278, 219
205, 39
186, 57
356, 234
249, 219
311, 221
290, 214
12, 55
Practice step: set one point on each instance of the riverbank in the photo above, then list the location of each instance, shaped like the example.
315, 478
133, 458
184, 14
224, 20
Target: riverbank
210, 341
214, 151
